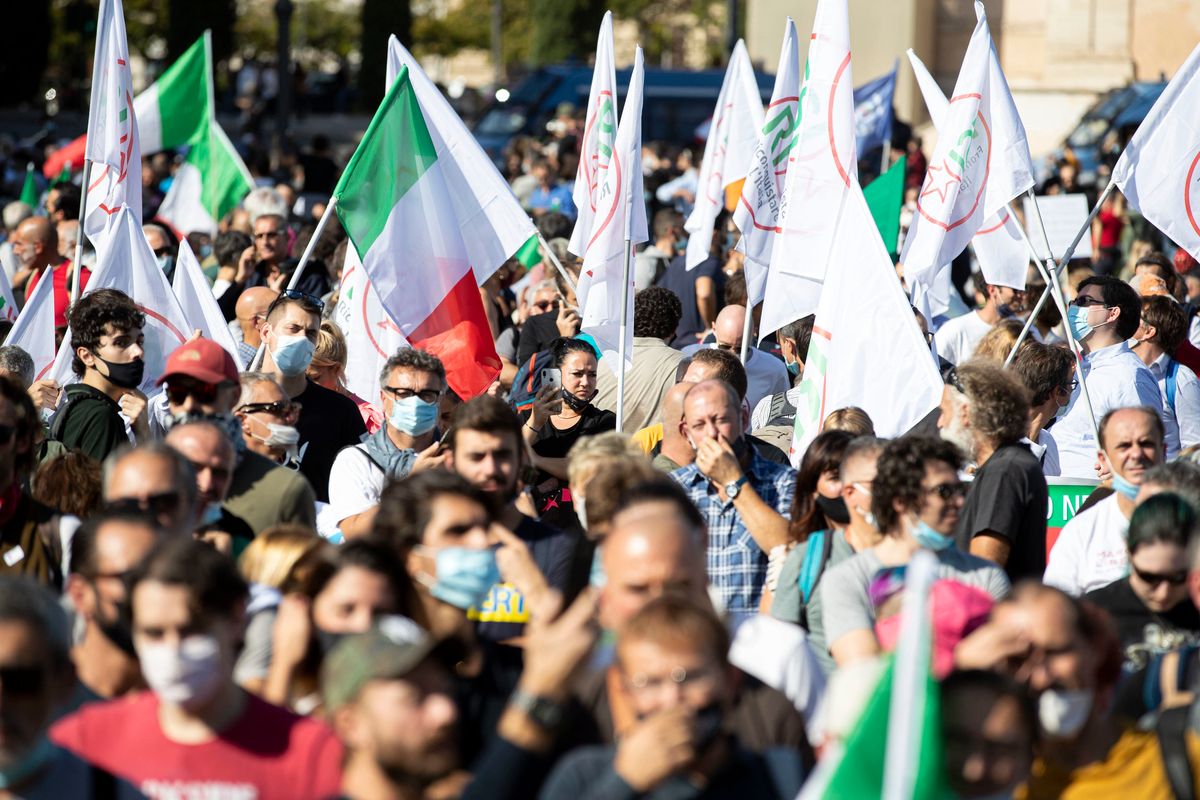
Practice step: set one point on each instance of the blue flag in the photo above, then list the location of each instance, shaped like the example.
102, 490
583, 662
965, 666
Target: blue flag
873, 112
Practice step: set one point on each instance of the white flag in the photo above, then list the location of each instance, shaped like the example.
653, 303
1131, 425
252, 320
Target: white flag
620, 218
981, 162
371, 335
599, 138
732, 136
126, 262
8, 304
493, 223
757, 214
200, 309
112, 135
824, 164
866, 349
1002, 252
1159, 172
33, 331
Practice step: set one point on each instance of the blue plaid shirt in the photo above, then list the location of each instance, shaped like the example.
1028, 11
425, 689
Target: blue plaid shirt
737, 566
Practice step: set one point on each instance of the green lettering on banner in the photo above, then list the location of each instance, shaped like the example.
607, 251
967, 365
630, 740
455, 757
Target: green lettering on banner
607, 128
1066, 496
779, 147
964, 138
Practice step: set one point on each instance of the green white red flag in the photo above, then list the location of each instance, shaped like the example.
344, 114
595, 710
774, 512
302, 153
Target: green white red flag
599, 138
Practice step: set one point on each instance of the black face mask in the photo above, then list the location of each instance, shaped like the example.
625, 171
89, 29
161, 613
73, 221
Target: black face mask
574, 403
708, 725
119, 629
326, 641
128, 375
834, 510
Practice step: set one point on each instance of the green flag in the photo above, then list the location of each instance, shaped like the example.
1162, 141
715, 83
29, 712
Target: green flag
885, 196
65, 175
29, 191
529, 255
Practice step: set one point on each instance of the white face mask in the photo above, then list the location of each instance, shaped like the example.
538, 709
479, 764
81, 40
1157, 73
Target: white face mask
1062, 712
188, 675
580, 509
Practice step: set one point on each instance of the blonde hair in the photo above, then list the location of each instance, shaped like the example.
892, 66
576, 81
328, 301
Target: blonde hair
996, 343
591, 452
331, 345
272, 556
603, 468
851, 419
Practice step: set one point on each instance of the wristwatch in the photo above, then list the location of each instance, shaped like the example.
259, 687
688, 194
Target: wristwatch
733, 488
545, 713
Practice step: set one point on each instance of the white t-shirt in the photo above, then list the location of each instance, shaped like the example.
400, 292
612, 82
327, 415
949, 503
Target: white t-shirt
1091, 550
778, 654
355, 483
957, 339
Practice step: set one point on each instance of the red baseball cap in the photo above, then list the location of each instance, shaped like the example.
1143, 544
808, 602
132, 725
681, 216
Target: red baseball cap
202, 359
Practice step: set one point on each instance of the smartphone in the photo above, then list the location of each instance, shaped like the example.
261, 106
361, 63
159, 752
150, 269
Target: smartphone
552, 376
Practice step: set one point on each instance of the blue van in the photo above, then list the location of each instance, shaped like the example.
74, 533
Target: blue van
1119, 110
677, 103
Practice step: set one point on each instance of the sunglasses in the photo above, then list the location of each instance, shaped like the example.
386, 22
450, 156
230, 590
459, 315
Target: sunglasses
1154, 580
279, 408
1084, 301
6, 433
156, 504
205, 393
948, 490
296, 294
950, 378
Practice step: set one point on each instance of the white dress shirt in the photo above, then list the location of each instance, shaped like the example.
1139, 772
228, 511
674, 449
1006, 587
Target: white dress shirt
1181, 419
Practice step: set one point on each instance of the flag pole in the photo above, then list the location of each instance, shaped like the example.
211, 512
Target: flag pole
625, 281
566, 276
746, 328
1060, 300
1062, 262
83, 193
256, 362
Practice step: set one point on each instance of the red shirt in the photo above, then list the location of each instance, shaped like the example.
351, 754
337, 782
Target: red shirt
62, 294
267, 754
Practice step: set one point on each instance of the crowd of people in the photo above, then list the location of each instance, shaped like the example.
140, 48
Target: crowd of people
257, 584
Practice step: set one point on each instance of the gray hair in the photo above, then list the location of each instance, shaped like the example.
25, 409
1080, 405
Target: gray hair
15, 213
251, 379
22, 600
17, 362
264, 200
1179, 477
183, 475
412, 358
541, 286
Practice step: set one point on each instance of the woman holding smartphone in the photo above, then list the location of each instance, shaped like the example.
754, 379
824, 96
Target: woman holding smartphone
561, 415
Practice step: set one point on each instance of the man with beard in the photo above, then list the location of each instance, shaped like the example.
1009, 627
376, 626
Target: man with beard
984, 409
743, 498
104, 551
487, 450
201, 384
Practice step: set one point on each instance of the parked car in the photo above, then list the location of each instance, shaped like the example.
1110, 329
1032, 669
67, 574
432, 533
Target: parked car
677, 103
1118, 111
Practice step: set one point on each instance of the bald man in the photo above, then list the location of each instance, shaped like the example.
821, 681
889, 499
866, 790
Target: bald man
744, 499
674, 451
251, 311
213, 459
35, 245
152, 479
765, 374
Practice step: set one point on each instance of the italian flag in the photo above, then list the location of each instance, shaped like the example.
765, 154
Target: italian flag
393, 202
178, 111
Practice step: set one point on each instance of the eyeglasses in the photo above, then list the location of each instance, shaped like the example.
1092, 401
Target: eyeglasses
947, 490
296, 294
180, 391
546, 305
1154, 580
928, 338
678, 676
729, 347
279, 408
1071, 385
162, 251
401, 393
1086, 301
862, 486
6, 433
156, 504
950, 378
267, 234
22, 680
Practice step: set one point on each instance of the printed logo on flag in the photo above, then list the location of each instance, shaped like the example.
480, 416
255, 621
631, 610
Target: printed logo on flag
602, 127
374, 320
818, 141
770, 162
714, 189
956, 177
1191, 194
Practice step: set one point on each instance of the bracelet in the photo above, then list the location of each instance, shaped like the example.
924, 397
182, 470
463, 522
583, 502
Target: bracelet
535, 430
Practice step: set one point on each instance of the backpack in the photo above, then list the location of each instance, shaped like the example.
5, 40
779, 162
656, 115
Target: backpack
1164, 690
528, 381
816, 556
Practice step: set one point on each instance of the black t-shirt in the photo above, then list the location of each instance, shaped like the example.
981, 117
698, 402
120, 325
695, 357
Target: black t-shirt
328, 422
538, 332
1143, 632
89, 422
1009, 498
682, 281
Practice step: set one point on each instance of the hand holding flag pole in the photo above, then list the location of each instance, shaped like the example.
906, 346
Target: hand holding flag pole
566, 276
256, 362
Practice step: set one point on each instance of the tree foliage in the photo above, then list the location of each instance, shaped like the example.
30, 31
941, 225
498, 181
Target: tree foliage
379, 19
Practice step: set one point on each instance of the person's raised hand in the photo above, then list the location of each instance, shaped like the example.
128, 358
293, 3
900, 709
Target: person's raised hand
546, 404
990, 646
431, 457
245, 265
293, 629
568, 321
656, 748
133, 405
557, 645
517, 567
45, 394
716, 460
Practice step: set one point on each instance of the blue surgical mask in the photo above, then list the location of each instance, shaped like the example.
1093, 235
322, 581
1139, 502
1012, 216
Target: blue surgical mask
292, 354
793, 368
413, 416
1124, 487
681, 245
210, 515
165, 262
598, 576
1077, 321
464, 576
929, 538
